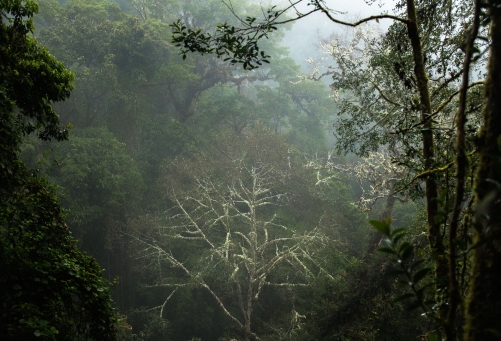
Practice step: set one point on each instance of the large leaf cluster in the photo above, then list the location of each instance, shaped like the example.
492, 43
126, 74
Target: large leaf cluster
110, 52
100, 179
30, 79
48, 288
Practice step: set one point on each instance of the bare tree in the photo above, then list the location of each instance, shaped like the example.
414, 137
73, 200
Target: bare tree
234, 227
376, 174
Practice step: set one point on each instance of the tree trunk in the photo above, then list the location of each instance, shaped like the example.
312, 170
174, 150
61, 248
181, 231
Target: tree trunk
461, 174
483, 311
435, 237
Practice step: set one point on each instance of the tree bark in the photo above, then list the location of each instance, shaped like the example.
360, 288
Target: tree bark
461, 173
483, 311
435, 238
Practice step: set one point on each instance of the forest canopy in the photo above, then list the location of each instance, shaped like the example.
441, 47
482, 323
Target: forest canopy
409, 48
228, 194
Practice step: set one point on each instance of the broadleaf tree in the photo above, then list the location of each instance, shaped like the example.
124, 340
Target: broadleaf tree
49, 289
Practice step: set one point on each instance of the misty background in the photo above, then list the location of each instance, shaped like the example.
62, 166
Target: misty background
215, 196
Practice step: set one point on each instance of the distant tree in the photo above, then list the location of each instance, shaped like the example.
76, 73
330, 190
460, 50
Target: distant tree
377, 176
102, 184
111, 53
224, 233
183, 83
223, 107
48, 289
286, 103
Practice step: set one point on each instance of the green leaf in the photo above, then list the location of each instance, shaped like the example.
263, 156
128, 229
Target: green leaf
404, 246
403, 283
420, 294
387, 250
395, 272
494, 332
398, 237
433, 337
416, 264
407, 252
420, 275
381, 227
403, 297
414, 305
397, 231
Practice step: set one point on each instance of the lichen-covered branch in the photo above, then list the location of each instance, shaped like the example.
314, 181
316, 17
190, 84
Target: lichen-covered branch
237, 236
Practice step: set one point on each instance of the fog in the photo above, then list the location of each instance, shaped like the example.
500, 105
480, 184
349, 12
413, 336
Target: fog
303, 38
229, 194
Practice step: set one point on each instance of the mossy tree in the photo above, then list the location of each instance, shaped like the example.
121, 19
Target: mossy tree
448, 203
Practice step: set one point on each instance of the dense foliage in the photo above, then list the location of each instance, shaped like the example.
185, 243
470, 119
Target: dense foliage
208, 186
398, 92
49, 290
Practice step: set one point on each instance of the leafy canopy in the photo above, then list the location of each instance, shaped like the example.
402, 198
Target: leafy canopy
48, 289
